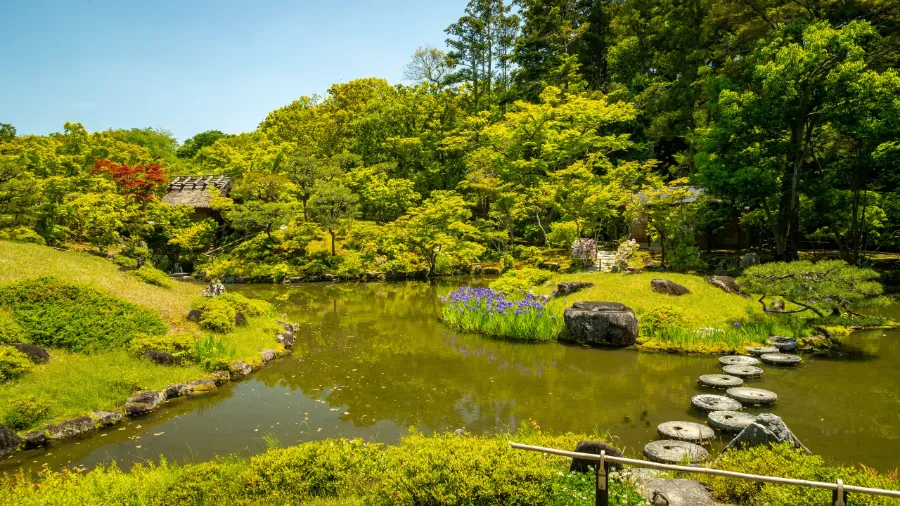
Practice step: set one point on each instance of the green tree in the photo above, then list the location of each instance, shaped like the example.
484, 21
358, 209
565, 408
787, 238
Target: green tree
20, 196
332, 205
193, 145
7, 132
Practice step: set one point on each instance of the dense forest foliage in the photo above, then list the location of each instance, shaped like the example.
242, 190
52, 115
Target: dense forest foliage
544, 122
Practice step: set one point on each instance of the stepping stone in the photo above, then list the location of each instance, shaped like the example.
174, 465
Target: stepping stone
730, 421
686, 431
738, 360
743, 371
783, 343
746, 395
707, 403
720, 380
761, 350
670, 451
781, 359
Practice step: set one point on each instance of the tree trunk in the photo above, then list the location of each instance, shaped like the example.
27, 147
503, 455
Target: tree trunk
331, 231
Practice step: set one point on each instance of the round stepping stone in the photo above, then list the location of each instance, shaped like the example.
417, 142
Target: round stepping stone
738, 360
707, 403
730, 421
720, 381
670, 451
746, 395
686, 431
743, 371
781, 359
761, 350
783, 343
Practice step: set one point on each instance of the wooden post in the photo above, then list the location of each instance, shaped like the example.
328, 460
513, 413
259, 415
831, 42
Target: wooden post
839, 496
602, 497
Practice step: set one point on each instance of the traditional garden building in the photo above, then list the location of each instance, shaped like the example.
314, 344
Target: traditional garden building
194, 191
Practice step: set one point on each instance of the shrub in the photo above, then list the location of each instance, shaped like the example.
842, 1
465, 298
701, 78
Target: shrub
628, 254
213, 353
76, 317
218, 316
562, 234
10, 331
506, 263
178, 345
584, 252
22, 234
831, 286
13, 363
782, 460
152, 276
684, 257
443, 265
25, 412
124, 261
246, 305
488, 311
651, 322
521, 280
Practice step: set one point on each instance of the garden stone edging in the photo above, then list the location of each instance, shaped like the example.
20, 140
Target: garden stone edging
9, 441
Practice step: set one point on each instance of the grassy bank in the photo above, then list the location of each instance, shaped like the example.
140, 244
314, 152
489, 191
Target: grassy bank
439, 470
81, 377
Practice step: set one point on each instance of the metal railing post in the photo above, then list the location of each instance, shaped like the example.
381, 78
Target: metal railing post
839, 496
602, 496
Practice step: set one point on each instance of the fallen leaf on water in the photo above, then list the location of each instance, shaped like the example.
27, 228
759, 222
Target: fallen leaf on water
158, 433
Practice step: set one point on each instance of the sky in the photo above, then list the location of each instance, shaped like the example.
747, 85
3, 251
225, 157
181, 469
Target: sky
194, 65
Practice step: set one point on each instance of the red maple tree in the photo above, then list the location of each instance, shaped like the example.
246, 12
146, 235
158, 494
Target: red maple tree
139, 182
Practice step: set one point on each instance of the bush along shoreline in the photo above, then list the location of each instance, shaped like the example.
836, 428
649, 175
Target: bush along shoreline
815, 304
53, 325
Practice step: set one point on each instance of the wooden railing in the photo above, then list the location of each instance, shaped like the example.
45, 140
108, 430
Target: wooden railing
839, 491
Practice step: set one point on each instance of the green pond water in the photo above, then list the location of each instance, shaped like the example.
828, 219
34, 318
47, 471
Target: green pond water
372, 360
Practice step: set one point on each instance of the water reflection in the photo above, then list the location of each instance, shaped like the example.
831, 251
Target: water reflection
371, 360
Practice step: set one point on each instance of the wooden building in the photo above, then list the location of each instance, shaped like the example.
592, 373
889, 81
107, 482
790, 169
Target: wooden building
194, 191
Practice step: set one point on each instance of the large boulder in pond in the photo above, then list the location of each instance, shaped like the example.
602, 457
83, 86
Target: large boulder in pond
668, 287
594, 448
601, 323
767, 429
571, 287
725, 283
144, 402
9, 441
34, 352
160, 357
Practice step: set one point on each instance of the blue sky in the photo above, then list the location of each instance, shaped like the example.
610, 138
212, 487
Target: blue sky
191, 65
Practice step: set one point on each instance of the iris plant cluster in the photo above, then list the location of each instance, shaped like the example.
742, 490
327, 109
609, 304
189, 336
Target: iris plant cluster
492, 312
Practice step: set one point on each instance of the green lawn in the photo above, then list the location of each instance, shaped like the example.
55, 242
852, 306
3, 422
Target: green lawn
75, 384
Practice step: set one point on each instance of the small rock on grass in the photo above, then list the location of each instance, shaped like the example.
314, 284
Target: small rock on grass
240, 370
144, 402
35, 353
268, 355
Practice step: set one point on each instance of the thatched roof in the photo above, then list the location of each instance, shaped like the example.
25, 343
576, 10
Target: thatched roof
193, 190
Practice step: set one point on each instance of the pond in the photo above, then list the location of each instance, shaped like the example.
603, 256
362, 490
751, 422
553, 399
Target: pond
372, 360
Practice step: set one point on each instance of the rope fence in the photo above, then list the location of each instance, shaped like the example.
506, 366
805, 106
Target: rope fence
838, 497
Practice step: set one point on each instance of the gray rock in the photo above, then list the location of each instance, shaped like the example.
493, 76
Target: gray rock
194, 315
460, 432
144, 402
749, 260
708, 403
173, 391
286, 339
725, 283
765, 430
160, 357
35, 353
594, 448
477, 270
240, 370
9, 441
743, 371
670, 451
752, 396
198, 387
685, 431
328, 277
220, 377
761, 350
783, 343
601, 323
572, 287
493, 271
737, 360
659, 491
720, 381
239, 319
730, 421
668, 287
71, 428
106, 418
35, 439
778, 305
288, 327
782, 359
268, 355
